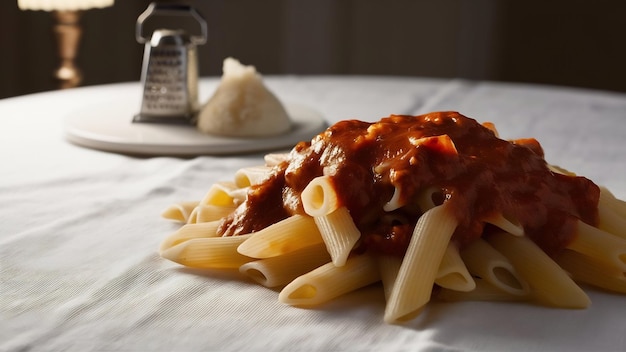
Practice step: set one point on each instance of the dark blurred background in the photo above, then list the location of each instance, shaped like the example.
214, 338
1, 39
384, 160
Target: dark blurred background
573, 43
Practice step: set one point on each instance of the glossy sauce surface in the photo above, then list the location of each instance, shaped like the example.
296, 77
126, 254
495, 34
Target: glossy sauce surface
462, 160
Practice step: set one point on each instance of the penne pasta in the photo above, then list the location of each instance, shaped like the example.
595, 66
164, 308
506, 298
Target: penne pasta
188, 232
492, 267
601, 245
549, 283
592, 271
253, 175
220, 194
330, 281
208, 253
180, 211
394, 203
484, 291
413, 285
339, 233
608, 200
291, 234
505, 223
388, 266
610, 221
409, 201
280, 270
319, 198
274, 159
207, 213
453, 273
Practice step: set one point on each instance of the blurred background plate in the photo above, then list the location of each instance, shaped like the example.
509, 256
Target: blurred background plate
109, 127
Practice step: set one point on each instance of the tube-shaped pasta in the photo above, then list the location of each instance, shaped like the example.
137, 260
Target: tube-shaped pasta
388, 266
453, 273
319, 197
220, 194
393, 203
484, 291
274, 159
248, 176
330, 281
511, 226
278, 271
179, 211
339, 233
207, 213
549, 283
591, 271
610, 221
494, 268
190, 231
213, 252
609, 200
288, 235
601, 245
413, 285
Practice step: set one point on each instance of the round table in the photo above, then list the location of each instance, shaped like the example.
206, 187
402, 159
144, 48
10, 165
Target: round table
80, 229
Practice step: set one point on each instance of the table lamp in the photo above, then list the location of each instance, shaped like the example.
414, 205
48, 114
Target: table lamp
68, 32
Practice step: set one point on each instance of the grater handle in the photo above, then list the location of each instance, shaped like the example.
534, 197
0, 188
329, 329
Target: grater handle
157, 9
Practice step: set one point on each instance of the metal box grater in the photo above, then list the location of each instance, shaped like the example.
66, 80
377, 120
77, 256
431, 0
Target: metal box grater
170, 68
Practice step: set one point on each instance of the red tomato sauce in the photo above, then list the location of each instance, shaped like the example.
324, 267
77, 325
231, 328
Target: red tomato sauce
478, 173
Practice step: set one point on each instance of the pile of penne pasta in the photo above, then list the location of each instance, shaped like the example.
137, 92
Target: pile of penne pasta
311, 257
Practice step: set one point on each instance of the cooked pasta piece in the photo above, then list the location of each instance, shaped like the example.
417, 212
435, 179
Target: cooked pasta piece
492, 267
388, 266
220, 194
484, 291
395, 201
280, 270
505, 223
453, 273
601, 245
330, 281
274, 159
610, 220
608, 200
339, 233
413, 285
592, 271
283, 237
252, 175
319, 198
206, 213
190, 231
549, 283
180, 211
208, 253
434, 206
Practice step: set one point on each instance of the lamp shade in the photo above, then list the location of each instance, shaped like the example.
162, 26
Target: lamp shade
62, 5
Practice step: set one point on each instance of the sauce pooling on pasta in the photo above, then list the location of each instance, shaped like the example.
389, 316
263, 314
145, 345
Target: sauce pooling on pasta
464, 162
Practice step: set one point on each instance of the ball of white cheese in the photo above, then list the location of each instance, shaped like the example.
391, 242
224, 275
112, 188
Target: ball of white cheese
242, 106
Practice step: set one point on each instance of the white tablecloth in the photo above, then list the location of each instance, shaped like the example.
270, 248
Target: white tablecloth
80, 228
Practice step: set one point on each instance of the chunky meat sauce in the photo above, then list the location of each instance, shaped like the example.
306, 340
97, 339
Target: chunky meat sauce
477, 172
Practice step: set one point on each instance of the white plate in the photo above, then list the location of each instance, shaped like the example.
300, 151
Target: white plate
109, 127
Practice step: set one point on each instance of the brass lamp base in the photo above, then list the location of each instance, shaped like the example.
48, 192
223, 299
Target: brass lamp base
68, 33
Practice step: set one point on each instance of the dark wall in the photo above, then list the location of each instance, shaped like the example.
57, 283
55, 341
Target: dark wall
577, 43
